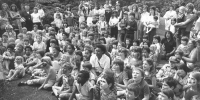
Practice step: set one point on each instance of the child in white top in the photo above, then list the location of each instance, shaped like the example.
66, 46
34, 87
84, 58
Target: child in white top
172, 28
183, 46
59, 34
19, 70
20, 39
102, 24
153, 24
58, 21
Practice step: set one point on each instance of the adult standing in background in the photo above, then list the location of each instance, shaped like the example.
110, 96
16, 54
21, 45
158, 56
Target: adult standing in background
57, 12
15, 17
26, 18
41, 12
35, 16
168, 16
4, 18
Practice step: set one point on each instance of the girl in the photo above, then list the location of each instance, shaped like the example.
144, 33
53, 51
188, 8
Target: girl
102, 24
166, 94
19, 70
59, 35
10, 32
58, 21
193, 86
145, 53
67, 82
172, 27
8, 56
39, 45
136, 59
153, 54
35, 16
106, 86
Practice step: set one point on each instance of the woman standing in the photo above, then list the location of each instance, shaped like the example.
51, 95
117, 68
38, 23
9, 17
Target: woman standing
14, 13
4, 18
168, 16
35, 16
114, 20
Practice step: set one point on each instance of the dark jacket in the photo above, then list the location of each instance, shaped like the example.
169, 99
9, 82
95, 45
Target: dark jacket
28, 21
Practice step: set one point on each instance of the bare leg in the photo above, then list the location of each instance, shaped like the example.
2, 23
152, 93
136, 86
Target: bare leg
11, 72
16, 72
56, 90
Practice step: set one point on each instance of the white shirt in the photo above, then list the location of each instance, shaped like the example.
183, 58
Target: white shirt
102, 11
41, 12
35, 17
100, 65
39, 46
144, 17
54, 16
113, 21
169, 14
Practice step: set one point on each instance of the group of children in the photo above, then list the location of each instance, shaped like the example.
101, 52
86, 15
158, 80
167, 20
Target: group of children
62, 58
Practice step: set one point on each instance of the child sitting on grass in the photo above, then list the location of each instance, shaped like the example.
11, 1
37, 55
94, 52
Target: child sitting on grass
47, 81
19, 70
67, 82
8, 56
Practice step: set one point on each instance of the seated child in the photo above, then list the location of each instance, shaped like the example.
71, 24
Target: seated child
166, 93
132, 91
82, 89
52, 45
19, 39
47, 81
67, 82
19, 70
87, 66
28, 52
8, 56
183, 46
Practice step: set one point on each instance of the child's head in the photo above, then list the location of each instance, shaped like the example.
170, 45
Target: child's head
148, 65
181, 72
145, 38
35, 27
58, 16
39, 54
53, 42
83, 77
136, 42
153, 48
87, 66
114, 44
66, 69
118, 65
132, 91
137, 75
194, 80
19, 60
10, 48
137, 53
4, 37
178, 54
155, 18
184, 40
19, 47
107, 81
132, 16
169, 83
156, 39
166, 94
173, 21
20, 36
173, 61
128, 41
39, 38
29, 34
145, 51
28, 50
24, 30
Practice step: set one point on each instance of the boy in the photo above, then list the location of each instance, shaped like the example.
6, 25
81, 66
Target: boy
183, 46
131, 26
8, 56
83, 87
19, 39
46, 82
87, 66
67, 82
132, 91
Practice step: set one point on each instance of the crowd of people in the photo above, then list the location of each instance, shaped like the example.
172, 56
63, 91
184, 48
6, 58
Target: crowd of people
112, 53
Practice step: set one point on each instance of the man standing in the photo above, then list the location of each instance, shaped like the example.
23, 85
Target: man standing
26, 18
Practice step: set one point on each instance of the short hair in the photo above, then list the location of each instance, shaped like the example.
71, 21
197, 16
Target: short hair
57, 48
88, 65
168, 92
155, 18
132, 14
53, 41
10, 47
110, 78
41, 53
79, 52
134, 88
120, 63
146, 48
185, 38
28, 47
190, 6
137, 42
68, 66
102, 47
85, 75
171, 82
157, 37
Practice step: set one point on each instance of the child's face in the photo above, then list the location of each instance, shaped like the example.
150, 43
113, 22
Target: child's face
52, 44
127, 42
103, 84
137, 76
134, 44
86, 69
131, 17
115, 68
165, 86
146, 65
155, 40
178, 56
18, 60
65, 70
173, 22
191, 80
28, 51
183, 42
145, 53
181, 73
39, 38
144, 40
26, 42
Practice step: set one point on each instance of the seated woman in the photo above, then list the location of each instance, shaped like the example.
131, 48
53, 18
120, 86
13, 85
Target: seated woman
47, 81
19, 70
